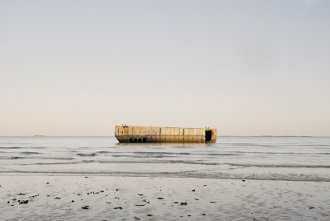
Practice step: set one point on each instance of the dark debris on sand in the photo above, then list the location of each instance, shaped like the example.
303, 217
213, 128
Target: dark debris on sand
23, 201
85, 207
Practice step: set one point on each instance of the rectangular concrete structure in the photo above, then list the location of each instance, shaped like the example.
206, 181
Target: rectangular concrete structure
145, 134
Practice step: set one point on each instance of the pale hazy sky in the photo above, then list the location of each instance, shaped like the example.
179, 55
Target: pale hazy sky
244, 67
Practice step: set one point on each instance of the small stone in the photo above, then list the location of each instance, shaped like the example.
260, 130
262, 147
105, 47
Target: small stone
243, 180
149, 215
311, 207
136, 218
193, 190
160, 198
85, 207
72, 201
57, 198
47, 183
117, 189
86, 177
140, 205
118, 207
203, 214
212, 202
183, 203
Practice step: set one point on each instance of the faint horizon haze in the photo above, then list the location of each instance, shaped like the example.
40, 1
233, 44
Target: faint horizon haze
249, 68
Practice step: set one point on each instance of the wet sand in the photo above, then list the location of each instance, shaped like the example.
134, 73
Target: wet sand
41, 197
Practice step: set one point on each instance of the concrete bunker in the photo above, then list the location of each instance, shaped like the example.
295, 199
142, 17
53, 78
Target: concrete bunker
143, 134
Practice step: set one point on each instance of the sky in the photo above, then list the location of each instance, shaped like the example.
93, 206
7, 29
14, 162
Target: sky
258, 67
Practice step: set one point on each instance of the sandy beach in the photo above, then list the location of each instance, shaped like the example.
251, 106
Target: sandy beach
36, 197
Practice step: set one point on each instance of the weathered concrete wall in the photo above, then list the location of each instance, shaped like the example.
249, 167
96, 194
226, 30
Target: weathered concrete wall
142, 134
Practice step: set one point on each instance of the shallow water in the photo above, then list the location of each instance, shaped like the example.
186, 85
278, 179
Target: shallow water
259, 158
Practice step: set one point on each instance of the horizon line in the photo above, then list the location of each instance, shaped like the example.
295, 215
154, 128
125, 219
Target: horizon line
114, 136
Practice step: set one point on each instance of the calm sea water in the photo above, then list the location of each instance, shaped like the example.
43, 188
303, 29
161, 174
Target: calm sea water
260, 158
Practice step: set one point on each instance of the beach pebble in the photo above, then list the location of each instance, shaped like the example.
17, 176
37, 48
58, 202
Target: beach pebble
311, 207
243, 180
118, 207
160, 198
193, 190
183, 203
85, 207
57, 198
149, 215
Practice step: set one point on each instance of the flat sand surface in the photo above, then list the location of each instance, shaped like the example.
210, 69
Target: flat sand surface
41, 197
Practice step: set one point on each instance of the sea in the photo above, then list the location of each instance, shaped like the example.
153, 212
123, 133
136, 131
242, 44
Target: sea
232, 157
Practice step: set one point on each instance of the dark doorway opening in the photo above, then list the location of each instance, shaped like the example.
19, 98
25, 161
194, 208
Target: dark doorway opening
144, 140
208, 135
